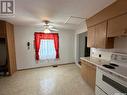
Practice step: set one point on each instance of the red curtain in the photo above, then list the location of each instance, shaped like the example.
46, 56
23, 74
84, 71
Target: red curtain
38, 36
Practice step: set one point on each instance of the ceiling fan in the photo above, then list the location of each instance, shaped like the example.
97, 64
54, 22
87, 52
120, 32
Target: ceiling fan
48, 27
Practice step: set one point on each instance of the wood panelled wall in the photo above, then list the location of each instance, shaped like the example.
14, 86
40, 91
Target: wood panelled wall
7, 32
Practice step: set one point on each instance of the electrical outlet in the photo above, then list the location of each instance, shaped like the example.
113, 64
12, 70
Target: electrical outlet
99, 55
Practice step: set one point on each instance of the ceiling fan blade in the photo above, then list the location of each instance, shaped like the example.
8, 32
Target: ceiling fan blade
51, 26
54, 29
47, 25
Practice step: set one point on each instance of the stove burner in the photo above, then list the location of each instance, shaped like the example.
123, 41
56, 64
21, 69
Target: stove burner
112, 64
109, 66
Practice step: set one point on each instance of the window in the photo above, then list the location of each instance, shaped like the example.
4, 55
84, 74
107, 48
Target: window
46, 46
47, 50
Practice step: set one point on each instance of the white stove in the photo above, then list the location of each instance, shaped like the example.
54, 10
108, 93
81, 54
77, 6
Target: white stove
111, 79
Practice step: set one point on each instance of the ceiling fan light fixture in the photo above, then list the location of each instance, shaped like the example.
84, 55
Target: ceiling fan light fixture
47, 30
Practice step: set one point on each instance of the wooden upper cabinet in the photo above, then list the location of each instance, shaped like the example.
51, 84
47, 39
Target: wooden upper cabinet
107, 24
100, 36
91, 37
2, 29
117, 8
97, 36
117, 26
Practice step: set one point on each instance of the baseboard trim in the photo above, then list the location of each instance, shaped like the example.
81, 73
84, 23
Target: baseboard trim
78, 65
46, 66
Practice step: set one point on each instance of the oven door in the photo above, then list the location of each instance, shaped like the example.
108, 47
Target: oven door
99, 91
110, 83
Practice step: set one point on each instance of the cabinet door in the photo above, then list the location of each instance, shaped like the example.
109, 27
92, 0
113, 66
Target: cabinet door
84, 71
100, 36
88, 73
91, 37
2, 29
117, 26
92, 76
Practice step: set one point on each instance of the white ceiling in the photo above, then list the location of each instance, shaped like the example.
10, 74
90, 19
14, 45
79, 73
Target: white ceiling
32, 12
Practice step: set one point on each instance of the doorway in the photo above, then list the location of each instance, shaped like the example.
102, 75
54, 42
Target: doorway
3, 57
84, 51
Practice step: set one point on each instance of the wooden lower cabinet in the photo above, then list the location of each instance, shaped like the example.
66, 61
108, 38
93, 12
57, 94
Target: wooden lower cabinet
88, 72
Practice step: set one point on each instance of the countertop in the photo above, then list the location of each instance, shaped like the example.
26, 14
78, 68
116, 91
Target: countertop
95, 61
121, 71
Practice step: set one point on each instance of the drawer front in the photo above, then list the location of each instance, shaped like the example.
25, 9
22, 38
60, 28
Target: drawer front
88, 64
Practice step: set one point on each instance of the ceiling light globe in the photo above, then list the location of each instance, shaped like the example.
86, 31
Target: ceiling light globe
47, 31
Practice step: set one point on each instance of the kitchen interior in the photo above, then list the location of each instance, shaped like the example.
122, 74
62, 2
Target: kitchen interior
100, 50
106, 70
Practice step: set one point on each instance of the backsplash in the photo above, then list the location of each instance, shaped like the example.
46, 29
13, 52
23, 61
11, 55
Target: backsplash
120, 46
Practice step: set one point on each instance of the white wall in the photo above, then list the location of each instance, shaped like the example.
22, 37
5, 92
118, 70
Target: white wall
26, 58
120, 46
82, 28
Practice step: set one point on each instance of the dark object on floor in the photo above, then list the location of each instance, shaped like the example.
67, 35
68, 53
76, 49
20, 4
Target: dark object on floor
55, 66
4, 69
79, 63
